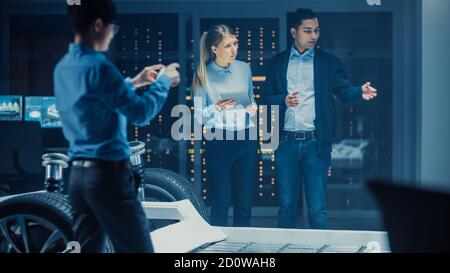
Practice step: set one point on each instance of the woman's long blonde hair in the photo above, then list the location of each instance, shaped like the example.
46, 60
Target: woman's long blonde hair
209, 38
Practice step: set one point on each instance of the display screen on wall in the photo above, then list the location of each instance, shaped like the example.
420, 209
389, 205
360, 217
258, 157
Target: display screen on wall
43, 110
10, 108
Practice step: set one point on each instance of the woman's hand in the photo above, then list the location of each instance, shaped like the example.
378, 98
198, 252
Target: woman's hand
251, 109
225, 104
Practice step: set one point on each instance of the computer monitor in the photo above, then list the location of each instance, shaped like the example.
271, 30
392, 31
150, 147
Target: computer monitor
10, 108
43, 110
416, 219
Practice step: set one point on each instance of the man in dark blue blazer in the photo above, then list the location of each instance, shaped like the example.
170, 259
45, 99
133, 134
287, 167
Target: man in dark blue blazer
303, 82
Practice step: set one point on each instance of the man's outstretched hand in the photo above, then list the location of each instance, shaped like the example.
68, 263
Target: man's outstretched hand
368, 92
149, 74
172, 72
146, 76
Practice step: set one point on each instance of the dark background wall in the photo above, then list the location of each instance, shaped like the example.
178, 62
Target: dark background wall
435, 97
414, 88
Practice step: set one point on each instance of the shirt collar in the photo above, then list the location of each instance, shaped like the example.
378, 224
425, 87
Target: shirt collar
218, 68
80, 47
307, 54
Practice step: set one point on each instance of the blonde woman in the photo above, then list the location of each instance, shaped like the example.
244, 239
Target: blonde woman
231, 165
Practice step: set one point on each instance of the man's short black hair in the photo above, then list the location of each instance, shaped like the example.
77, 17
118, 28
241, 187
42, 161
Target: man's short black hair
83, 15
300, 15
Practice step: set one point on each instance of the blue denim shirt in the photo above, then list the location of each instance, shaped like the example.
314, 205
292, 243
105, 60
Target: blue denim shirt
236, 77
300, 77
95, 103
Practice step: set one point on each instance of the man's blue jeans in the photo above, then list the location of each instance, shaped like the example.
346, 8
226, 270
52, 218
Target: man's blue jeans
296, 159
104, 202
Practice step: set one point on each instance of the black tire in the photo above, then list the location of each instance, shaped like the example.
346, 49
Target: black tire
43, 213
54, 210
167, 186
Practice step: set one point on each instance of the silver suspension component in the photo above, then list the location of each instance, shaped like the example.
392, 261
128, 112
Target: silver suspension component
54, 163
137, 149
